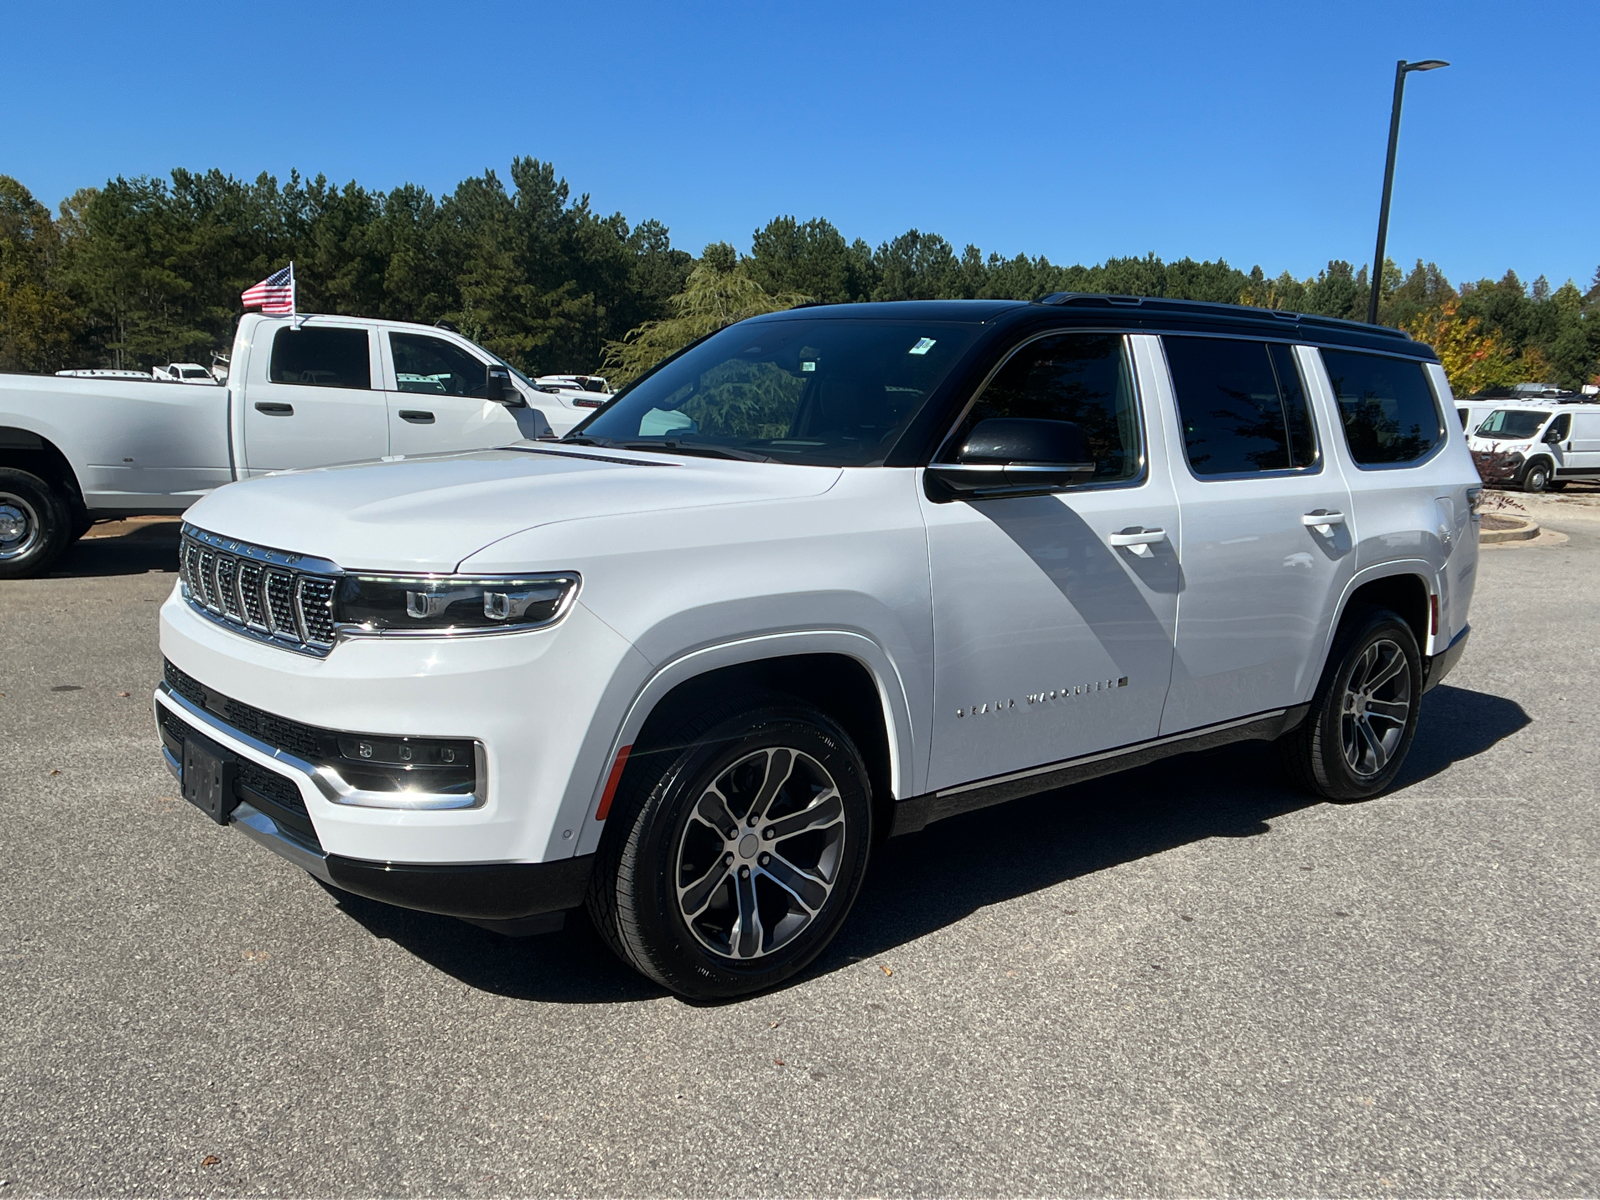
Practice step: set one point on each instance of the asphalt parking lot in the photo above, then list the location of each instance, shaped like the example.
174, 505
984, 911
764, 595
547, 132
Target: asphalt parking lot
1184, 980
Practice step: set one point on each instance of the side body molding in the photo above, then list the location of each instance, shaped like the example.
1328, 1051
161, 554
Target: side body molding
846, 643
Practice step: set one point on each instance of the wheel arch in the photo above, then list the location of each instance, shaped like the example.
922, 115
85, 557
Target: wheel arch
24, 450
1408, 587
846, 674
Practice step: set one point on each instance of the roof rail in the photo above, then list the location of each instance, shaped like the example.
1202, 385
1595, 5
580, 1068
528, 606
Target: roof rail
1214, 309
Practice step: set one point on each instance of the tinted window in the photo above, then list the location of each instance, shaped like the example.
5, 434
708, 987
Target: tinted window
435, 366
831, 391
1241, 404
1079, 377
321, 357
1387, 407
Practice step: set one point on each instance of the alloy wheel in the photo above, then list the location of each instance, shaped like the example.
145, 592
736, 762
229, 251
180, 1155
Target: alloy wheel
760, 853
1377, 705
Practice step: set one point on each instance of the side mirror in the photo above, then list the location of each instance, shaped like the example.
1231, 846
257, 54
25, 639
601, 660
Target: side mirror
1015, 456
499, 388
1553, 436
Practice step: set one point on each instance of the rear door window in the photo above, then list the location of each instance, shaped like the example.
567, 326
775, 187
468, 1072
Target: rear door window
1388, 410
1242, 406
321, 357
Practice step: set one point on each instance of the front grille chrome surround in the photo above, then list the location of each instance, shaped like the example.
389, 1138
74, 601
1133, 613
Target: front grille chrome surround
276, 596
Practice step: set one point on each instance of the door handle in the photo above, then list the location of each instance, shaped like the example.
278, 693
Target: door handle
275, 410
416, 416
1322, 521
1138, 540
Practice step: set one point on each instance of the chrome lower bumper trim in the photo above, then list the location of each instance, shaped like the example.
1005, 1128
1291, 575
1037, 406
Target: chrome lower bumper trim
259, 827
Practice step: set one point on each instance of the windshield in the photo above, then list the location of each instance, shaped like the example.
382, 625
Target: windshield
1512, 424
822, 391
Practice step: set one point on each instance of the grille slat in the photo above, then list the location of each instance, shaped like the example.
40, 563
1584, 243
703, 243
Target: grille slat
250, 590
316, 610
280, 605
244, 586
227, 585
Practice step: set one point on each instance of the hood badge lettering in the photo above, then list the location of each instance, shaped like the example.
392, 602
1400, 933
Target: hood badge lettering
986, 707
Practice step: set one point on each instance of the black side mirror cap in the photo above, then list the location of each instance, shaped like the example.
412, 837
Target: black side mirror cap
499, 388
1014, 456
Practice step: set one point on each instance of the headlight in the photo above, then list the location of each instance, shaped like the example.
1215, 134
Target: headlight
450, 604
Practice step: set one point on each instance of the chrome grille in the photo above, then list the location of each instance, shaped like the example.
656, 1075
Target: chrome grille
285, 599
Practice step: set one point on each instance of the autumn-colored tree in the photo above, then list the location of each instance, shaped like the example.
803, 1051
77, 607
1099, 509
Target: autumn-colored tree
719, 292
1472, 359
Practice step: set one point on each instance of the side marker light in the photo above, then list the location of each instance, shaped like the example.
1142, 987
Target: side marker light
612, 780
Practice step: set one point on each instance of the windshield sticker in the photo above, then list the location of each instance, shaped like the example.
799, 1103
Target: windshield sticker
808, 366
923, 346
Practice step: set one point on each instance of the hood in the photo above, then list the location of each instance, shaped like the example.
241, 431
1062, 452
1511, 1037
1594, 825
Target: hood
428, 513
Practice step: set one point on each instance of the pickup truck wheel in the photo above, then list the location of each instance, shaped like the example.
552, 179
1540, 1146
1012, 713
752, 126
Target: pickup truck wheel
34, 525
1364, 712
731, 859
1537, 477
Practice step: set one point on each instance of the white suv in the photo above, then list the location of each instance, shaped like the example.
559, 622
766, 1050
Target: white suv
822, 578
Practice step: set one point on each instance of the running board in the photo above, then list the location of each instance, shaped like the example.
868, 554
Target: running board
917, 812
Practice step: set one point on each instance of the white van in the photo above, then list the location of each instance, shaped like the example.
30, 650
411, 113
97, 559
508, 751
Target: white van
1539, 447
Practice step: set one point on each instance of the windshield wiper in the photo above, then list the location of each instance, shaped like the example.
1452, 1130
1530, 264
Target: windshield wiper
702, 451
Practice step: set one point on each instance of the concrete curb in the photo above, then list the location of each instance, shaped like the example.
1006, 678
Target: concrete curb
1525, 531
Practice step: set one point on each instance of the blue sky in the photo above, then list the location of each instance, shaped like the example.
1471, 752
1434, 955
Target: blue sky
1254, 132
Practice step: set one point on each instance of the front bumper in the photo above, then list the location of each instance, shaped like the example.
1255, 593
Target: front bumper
543, 706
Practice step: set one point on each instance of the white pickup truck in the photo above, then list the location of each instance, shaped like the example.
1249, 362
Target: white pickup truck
303, 392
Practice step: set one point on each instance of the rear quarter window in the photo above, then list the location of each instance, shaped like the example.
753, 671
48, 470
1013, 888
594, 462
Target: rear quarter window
1387, 408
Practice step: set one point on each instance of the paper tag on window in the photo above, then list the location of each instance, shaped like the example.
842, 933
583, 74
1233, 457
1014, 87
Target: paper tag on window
923, 346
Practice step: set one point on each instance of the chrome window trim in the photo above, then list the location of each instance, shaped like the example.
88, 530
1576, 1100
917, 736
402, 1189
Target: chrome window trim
1140, 478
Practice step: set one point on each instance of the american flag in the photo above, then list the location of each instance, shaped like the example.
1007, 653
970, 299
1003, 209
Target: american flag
275, 294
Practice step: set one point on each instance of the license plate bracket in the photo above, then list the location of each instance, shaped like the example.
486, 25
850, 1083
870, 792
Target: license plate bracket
208, 776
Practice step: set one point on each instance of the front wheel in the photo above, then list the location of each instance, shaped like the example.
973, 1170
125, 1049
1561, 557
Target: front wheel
1364, 712
1537, 477
732, 857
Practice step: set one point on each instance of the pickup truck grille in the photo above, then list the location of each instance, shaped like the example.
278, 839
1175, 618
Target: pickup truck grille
271, 595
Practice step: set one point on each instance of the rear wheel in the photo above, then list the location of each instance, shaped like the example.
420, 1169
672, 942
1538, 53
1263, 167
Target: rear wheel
1363, 715
1537, 477
730, 860
35, 525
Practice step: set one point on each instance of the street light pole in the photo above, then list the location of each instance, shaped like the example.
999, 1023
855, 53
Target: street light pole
1401, 70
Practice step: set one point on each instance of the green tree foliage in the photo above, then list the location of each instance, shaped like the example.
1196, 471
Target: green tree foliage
720, 290
144, 270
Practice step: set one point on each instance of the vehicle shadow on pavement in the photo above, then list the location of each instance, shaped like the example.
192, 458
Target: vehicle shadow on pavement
153, 548
924, 882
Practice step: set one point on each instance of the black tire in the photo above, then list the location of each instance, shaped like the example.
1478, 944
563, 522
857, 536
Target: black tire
668, 847
1536, 478
35, 525
1329, 755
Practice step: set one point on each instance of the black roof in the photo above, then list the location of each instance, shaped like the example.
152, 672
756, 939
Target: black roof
1154, 313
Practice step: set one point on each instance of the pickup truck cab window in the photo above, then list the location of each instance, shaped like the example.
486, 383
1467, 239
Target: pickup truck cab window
1390, 416
825, 392
321, 358
1242, 406
434, 367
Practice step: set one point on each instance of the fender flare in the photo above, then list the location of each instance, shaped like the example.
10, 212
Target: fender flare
852, 644
1416, 568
